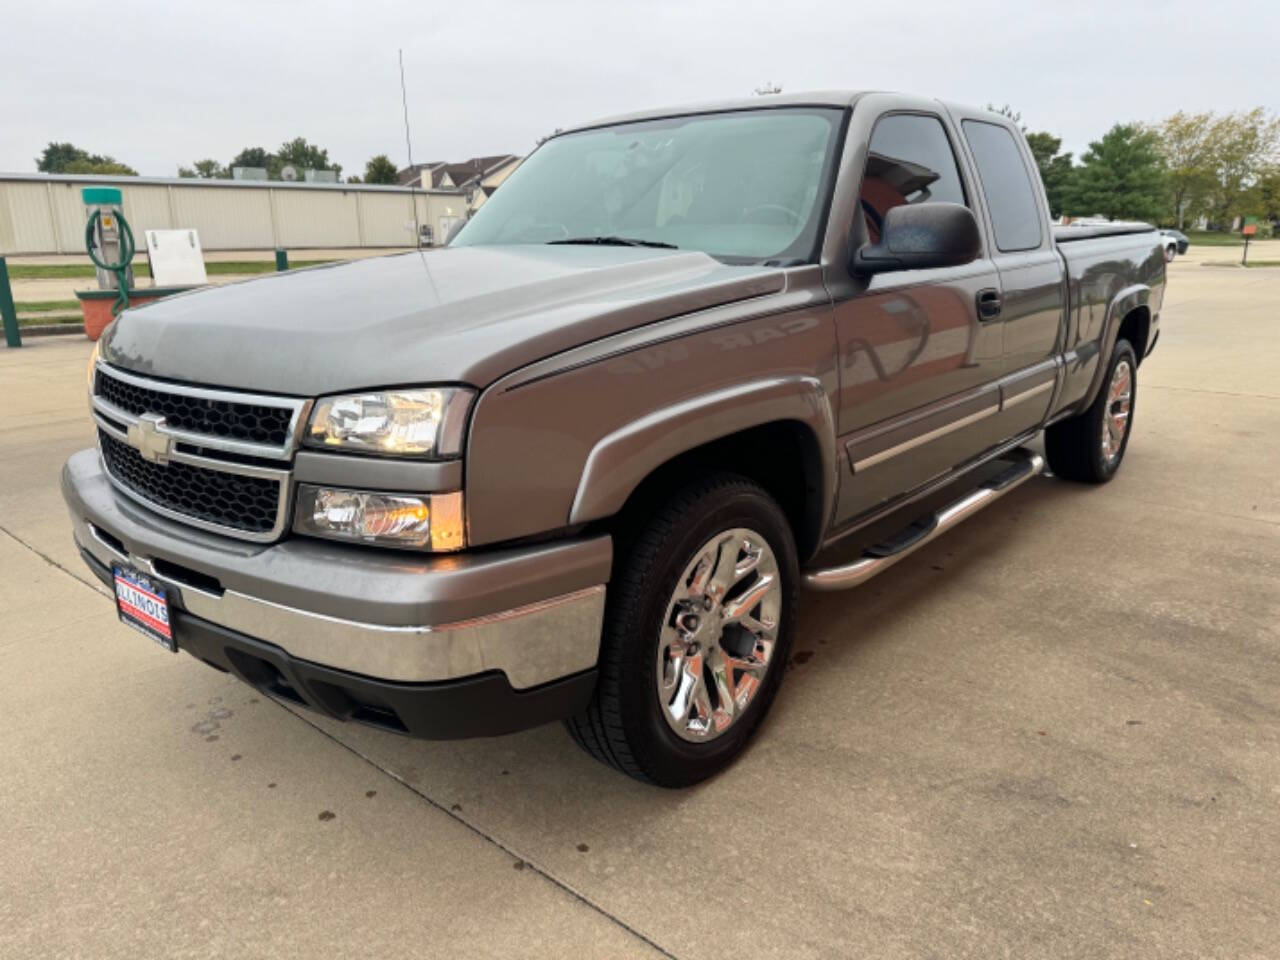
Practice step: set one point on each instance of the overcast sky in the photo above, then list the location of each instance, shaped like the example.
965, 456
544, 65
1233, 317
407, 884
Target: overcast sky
158, 84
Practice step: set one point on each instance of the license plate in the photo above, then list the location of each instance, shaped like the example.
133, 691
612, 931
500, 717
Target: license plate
142, 604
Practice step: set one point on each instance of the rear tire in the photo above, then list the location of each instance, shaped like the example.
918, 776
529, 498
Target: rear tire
1090, 446
676, 718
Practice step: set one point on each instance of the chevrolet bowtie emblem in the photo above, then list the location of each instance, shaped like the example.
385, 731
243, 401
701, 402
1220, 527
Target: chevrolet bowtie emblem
146, 438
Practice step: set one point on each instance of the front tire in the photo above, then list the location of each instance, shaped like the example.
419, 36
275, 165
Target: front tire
1090, 446
697, 632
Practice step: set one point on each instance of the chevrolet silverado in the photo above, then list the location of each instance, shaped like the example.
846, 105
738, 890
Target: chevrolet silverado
578, 464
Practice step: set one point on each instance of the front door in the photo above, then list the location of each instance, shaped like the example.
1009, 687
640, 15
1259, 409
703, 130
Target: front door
918, 391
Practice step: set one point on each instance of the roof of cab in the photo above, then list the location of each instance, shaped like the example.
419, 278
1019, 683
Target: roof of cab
820, 98
812, 98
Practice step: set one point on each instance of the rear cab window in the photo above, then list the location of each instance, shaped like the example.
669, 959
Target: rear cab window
1011, 197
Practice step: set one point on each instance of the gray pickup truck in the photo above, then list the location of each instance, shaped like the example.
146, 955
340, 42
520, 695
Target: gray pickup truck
578, 464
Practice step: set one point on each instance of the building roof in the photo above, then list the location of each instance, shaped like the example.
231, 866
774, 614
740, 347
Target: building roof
215, 183
460, 174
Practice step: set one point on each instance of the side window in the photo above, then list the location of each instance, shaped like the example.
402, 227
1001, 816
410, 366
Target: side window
1015, 212
910, 161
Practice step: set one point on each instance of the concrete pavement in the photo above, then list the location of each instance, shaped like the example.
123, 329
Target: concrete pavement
1053, 733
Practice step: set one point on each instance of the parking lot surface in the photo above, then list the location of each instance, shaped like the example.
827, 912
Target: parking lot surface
1052, 733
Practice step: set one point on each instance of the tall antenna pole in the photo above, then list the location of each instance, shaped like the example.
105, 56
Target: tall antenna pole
408, 144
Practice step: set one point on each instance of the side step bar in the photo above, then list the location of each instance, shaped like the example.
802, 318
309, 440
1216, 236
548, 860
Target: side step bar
882, 556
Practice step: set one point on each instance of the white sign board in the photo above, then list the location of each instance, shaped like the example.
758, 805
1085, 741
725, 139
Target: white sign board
176, 258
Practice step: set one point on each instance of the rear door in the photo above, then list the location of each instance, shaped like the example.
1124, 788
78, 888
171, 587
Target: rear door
1033, 292
918, 366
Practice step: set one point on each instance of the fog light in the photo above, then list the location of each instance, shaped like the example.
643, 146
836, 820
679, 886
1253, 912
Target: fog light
432, 521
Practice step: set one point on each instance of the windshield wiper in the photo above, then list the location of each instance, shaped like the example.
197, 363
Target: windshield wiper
617, 242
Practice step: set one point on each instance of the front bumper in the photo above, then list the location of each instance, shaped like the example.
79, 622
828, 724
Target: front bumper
458, 635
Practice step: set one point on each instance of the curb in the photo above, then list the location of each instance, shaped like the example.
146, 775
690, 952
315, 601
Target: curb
52, 330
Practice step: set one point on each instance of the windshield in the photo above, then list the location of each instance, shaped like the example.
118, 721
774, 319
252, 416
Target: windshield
744, 187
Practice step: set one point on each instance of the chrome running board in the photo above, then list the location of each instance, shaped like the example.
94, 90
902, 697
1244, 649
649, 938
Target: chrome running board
880, 557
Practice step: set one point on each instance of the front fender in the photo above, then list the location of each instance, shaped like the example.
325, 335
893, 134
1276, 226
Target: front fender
620, 461
567, 440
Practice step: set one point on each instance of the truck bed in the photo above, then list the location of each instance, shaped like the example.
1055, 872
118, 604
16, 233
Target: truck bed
1069, 233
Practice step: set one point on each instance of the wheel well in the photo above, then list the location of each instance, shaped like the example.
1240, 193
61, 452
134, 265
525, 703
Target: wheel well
1135, 328
783, 457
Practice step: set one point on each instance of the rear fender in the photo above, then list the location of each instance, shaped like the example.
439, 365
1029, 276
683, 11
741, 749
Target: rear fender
1122, 304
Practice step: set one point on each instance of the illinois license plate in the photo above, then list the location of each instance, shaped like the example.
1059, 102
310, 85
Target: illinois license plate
142, 604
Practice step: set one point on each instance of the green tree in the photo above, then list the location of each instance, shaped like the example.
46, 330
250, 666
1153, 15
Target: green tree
100, 166
1121, 176
301, 155
68, 158
56, 156
1266, 197
380, 169
1186, 142
1246, 145
1056, 168
251, 157
205, 170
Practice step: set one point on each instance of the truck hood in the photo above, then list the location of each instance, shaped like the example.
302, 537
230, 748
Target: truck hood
456, 315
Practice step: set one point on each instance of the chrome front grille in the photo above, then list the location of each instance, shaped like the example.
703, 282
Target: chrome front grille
233, 420
215, 459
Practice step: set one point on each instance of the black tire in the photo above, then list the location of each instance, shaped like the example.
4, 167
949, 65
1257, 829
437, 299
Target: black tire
1169, 253
624, 725
1074, 446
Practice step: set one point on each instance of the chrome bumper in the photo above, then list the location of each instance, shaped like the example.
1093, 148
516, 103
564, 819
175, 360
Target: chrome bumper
533, 640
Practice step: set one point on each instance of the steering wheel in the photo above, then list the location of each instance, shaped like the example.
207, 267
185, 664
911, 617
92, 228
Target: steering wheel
791, 216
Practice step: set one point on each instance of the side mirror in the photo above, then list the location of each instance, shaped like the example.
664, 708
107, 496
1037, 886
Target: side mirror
918, 236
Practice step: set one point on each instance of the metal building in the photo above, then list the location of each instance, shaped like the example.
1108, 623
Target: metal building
42, 213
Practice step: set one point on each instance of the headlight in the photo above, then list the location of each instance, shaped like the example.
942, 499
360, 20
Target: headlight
391, 519
394, 423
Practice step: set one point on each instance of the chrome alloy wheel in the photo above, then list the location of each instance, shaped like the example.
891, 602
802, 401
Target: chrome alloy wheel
1115, 420
719, 634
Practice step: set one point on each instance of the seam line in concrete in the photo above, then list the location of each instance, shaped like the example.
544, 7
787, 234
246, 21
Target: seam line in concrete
549, 877
1220, 393
1212, 513
50, 561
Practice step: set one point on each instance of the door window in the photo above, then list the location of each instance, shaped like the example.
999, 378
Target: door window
910, 161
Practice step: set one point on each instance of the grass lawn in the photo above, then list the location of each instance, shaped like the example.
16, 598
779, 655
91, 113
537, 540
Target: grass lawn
65, 271
222, 267
77, 320
1206, 238
46, 306
1263, 263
